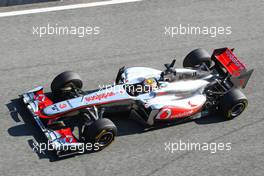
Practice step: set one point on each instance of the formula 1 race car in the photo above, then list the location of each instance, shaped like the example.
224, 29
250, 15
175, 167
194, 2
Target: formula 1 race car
206, 84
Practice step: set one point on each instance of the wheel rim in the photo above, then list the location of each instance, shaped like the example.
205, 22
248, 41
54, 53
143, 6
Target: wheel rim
237, 109
105, 139
67, 87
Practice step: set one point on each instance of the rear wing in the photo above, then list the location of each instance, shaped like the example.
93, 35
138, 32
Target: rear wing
228, 62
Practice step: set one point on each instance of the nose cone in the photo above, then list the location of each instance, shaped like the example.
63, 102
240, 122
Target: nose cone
57, 108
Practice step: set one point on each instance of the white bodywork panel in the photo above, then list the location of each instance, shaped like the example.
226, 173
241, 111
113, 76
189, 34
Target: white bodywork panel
178, 93
135, 75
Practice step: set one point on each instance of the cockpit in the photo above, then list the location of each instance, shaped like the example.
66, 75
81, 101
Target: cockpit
141, 80
148, 85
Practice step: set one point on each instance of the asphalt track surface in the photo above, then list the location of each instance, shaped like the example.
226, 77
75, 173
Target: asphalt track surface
132, 34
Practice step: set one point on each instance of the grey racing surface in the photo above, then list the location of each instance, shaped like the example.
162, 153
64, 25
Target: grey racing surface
132, 34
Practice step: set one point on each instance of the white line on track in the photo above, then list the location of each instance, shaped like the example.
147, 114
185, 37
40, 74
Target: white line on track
65, 7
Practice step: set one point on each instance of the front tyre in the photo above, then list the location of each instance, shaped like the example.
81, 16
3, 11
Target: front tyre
232, 104
119, 76
65, 82
101, 132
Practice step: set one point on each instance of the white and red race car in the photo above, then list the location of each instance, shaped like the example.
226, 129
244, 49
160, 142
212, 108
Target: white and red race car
206, 84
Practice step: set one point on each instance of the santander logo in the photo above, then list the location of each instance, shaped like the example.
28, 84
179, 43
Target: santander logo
99, 96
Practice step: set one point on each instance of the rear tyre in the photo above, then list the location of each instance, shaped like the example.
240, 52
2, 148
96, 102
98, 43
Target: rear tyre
196, 58
65, 82
232, 104
101, 133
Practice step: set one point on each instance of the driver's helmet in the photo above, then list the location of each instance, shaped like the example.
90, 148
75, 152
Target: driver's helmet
150, 84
